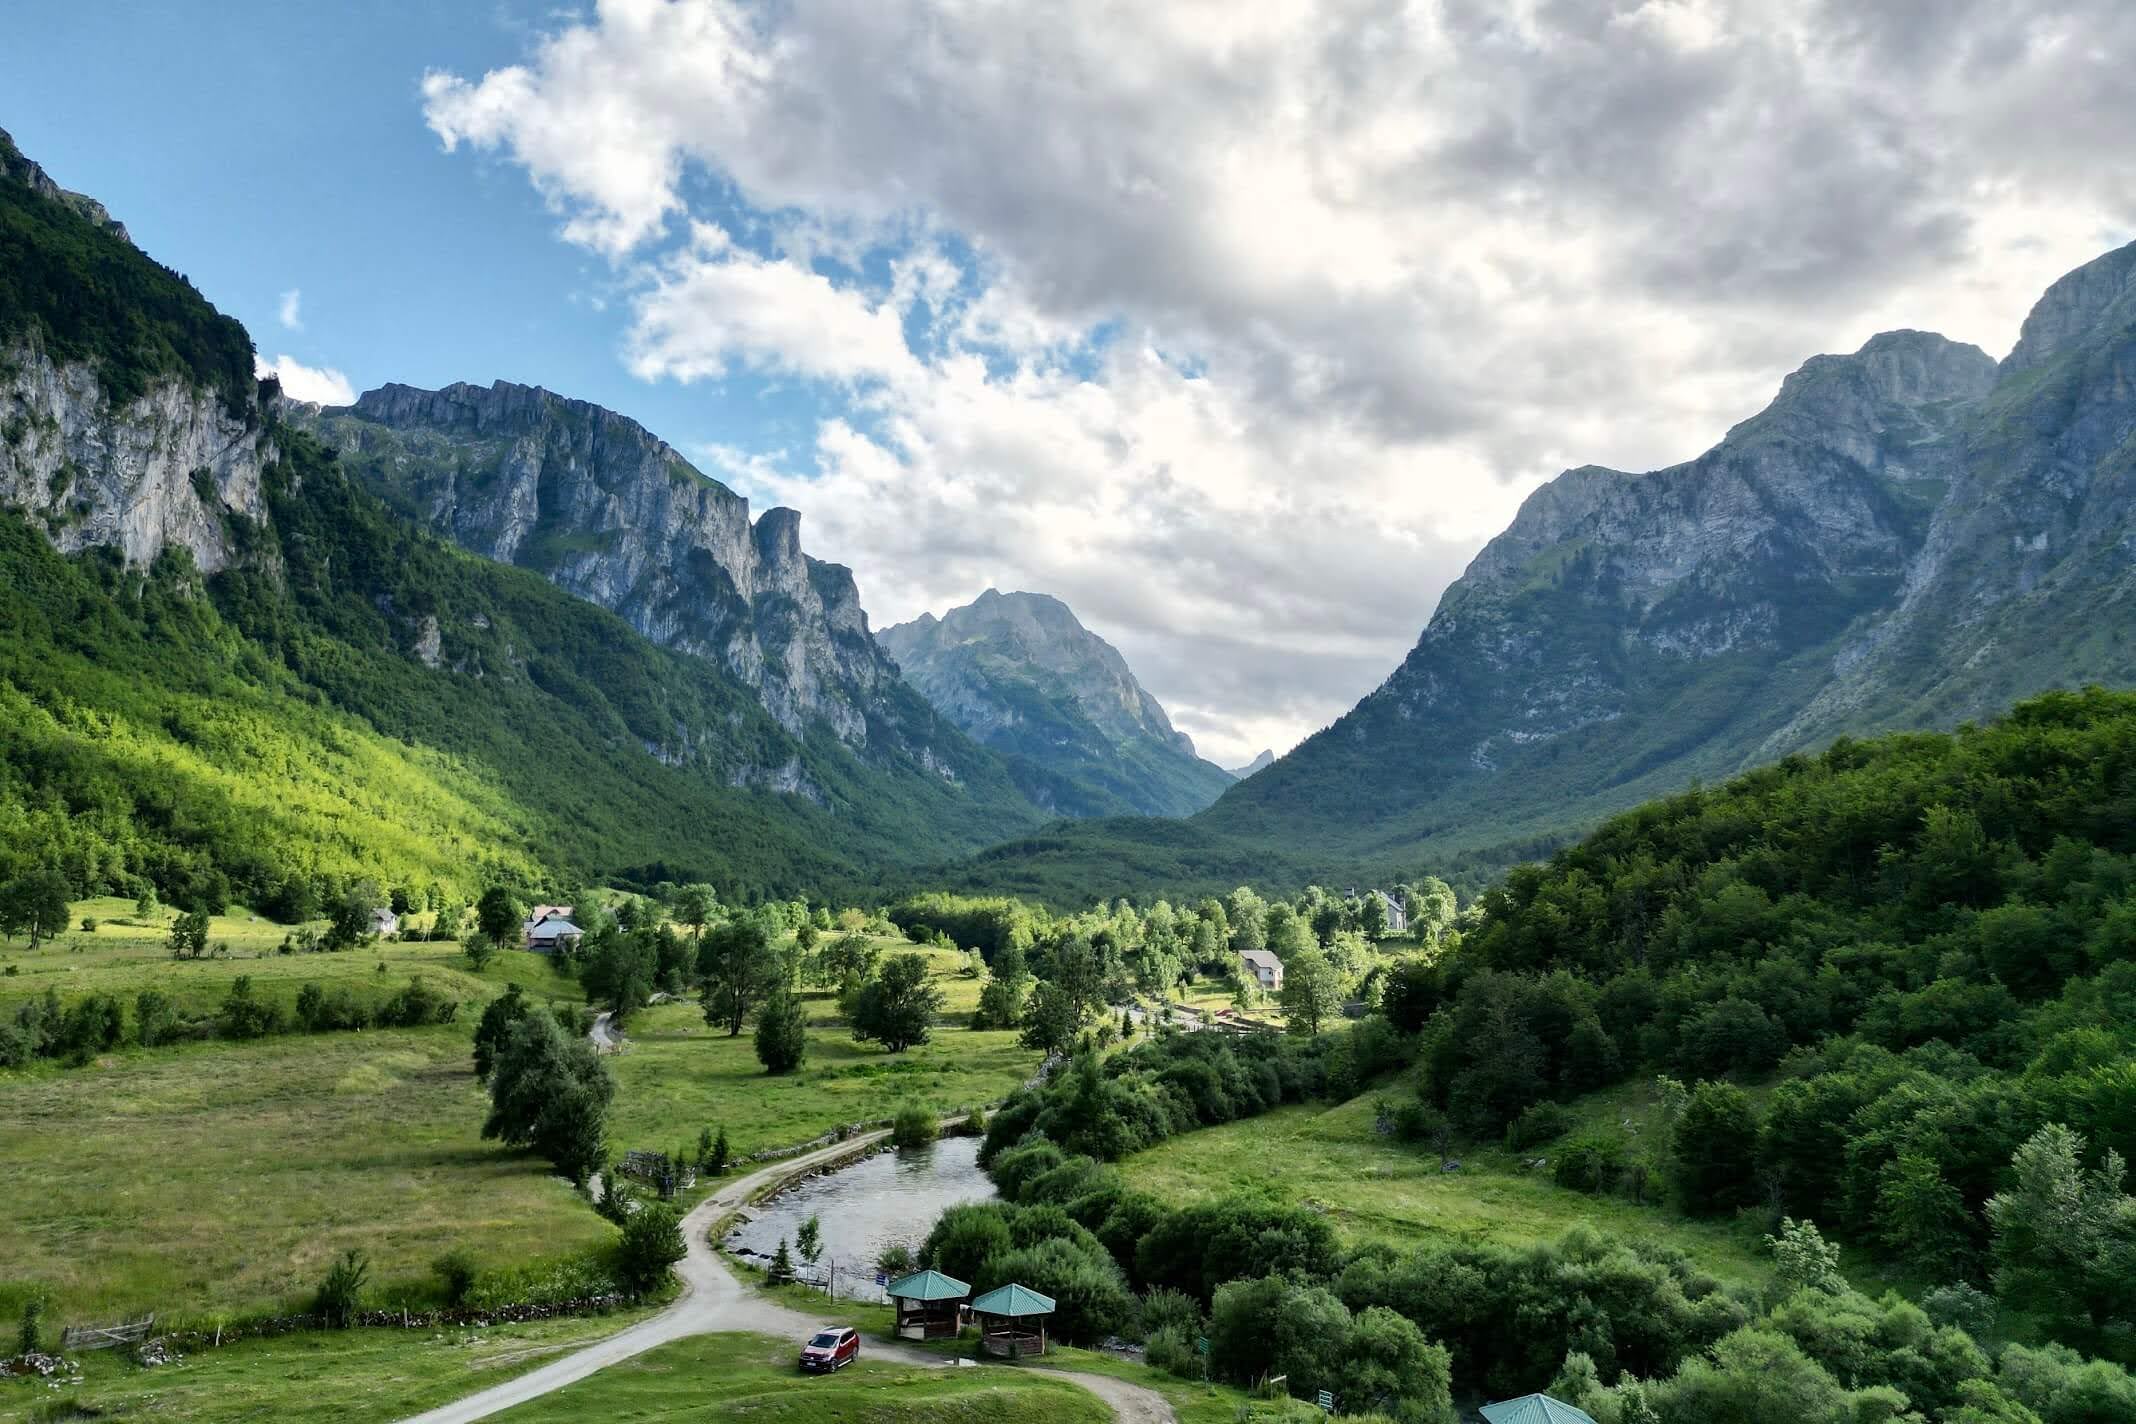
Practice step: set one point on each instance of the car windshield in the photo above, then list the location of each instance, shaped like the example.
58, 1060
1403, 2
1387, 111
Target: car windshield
827, 1339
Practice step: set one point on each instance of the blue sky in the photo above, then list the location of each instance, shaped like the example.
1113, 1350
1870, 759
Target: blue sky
261, 148
1239, 328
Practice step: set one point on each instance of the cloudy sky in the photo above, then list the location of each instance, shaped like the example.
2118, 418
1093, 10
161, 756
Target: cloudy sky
1238, 327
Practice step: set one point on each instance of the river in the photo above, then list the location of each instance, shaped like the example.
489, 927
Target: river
888, 1198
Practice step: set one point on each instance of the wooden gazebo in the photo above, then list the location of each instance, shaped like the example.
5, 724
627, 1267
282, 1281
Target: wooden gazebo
930, 1305
1004, 1317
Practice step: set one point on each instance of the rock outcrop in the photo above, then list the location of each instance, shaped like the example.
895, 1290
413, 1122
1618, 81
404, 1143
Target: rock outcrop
1019, 672
600, 506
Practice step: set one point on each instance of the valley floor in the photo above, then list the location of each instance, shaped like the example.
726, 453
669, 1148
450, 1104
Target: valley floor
217, 1179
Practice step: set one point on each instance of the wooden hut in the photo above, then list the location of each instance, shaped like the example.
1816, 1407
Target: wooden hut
1006, 1319
930, 1305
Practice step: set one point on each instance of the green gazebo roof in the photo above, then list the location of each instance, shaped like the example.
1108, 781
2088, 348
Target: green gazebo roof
1014, 1301
928, 1285
1534, 1409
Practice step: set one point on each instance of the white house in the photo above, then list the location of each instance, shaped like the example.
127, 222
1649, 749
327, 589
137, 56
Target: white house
1266, 969
1397, 912
384, 922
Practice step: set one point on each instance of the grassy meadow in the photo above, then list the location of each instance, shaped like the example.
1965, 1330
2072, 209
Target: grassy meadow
1375, 1189
711, 1377
354, 1376
218, 1177
127, 953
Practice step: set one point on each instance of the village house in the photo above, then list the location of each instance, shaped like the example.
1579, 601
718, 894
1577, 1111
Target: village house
1265, 968
384, 922
1397, 912
550, 928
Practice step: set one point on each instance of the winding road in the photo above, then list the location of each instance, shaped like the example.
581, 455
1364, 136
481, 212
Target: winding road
714, 1301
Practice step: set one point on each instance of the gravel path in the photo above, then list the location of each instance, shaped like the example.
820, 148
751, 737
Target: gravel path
714, 1301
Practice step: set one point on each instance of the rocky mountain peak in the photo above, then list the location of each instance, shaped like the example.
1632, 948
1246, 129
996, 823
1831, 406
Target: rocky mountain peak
2098, 297
603, 508
1020, 672
15, 167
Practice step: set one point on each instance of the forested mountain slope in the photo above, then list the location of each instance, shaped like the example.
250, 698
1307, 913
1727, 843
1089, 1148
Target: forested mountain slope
1907, 537
1081, 736
231, 667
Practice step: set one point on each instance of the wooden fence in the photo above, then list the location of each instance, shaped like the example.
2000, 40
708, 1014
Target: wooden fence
106, 1337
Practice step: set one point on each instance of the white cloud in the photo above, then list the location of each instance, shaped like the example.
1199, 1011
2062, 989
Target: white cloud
288, 311
320, 384
712, 306
1365, 273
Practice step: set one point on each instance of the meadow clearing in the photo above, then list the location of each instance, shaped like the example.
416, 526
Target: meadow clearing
1376, 1189
216, 1178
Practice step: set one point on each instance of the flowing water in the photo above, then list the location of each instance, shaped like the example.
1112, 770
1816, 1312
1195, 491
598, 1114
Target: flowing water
891, 1197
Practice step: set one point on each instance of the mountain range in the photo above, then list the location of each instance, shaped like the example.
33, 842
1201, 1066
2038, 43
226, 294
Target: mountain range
251, 645
1080, 735
1911, 536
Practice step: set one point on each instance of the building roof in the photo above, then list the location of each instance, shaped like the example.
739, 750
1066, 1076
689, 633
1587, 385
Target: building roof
554, 929
1535, 1409
1015, 1301
1260, 959
928, 1285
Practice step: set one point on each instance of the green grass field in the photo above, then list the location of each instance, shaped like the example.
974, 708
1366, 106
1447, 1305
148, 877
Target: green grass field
223, 1177
753, 1377
351, 1376
1375, 1189
676, 1074
127, 953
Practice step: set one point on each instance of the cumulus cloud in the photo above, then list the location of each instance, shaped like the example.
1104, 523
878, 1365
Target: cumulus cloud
288, 312
1239, 326
322, 385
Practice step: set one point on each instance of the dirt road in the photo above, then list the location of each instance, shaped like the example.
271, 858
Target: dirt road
714, 1300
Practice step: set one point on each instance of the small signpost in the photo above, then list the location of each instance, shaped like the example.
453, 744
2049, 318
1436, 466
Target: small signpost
1326, 1400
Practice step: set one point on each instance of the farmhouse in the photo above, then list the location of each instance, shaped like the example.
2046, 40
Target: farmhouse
1265, 968
1397, 912
554, 933
384, 922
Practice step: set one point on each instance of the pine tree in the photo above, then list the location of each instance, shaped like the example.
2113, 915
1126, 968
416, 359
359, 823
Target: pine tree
782, 1267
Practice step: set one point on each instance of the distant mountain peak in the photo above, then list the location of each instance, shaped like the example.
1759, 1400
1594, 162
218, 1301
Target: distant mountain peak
1021, 673
1266, 759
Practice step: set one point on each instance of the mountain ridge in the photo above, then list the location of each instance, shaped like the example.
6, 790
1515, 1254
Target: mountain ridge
1021, 674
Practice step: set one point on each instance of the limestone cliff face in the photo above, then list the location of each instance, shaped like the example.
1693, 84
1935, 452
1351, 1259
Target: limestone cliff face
1020, 673
599, 506
1908, 536
158, 472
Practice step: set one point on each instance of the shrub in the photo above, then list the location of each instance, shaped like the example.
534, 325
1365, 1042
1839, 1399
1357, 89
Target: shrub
1164, 1309
1537, 1124
29, 1337
340, 1295
651, 1242
914, 1126
1174, 1352
975, 1121
1590, 1162
964, 1237
455, 1271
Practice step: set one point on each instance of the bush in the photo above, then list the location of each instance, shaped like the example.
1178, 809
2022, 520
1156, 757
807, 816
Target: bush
964, 1237
1591, 1162
1537, 1124
1163, 1309
340, 1295
975, 1121
1090, 1296
1174, 1352
455, 1271
652, 1242
914, 1126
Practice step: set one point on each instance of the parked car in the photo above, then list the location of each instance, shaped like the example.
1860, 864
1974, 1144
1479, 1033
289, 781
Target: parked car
830, 1348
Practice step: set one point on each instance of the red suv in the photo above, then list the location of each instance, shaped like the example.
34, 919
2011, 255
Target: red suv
829, 1348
